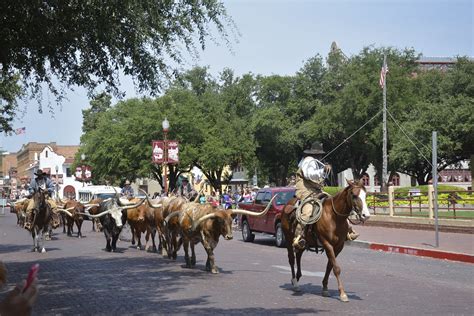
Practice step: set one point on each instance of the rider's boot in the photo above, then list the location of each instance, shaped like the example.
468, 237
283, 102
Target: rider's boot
352, 234
298, 241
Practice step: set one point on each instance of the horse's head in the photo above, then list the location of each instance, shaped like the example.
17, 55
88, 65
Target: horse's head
357, 196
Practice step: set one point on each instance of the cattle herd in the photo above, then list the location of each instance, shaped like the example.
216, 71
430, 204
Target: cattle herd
176, 220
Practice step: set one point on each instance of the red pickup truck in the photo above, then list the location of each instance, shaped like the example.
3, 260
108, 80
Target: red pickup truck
270, 223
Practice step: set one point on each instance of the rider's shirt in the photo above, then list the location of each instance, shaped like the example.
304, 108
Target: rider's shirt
312, 169
44, 183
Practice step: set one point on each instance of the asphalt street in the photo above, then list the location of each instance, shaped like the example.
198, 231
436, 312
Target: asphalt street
78, 277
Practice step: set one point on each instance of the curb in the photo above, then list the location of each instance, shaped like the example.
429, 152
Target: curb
436, 254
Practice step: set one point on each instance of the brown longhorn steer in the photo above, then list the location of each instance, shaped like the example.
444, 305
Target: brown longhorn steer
141, 220
74, 208
205, 223
171, 230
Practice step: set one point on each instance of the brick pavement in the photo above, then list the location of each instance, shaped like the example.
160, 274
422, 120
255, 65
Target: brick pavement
78, 277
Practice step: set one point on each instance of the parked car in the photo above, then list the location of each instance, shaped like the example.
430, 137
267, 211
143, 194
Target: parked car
271, 222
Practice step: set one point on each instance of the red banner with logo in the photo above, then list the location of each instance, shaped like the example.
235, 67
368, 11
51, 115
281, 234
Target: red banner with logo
87, 173
158, 152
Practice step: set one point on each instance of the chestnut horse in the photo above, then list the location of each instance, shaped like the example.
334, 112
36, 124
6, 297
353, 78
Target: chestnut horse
41, 218
329, 231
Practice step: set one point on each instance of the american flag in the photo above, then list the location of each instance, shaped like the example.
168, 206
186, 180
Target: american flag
21, 130
383, 74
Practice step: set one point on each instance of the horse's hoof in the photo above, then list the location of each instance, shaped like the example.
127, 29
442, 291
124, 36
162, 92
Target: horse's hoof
325, 293
43, 250
296, 287
214, 271
344, 298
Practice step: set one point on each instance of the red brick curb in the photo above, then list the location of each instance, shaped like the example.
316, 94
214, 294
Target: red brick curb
436, 254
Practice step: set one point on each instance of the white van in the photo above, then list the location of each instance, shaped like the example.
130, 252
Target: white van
97, 192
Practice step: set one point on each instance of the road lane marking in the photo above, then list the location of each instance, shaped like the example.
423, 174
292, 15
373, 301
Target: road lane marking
304, 272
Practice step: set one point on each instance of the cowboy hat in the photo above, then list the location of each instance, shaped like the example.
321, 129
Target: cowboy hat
127, 181
39, 172
316, 149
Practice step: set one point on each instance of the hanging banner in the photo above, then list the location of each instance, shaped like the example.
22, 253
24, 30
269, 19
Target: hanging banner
158, 153
173, 152
87, 173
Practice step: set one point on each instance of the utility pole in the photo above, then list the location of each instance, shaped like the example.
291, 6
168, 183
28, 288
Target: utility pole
384, 148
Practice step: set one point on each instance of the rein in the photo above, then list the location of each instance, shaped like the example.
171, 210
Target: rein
334, 209
344, 215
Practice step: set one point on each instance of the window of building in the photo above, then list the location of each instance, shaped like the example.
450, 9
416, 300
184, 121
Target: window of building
395, 179
46, 153
68, 172
376, 181
365, 179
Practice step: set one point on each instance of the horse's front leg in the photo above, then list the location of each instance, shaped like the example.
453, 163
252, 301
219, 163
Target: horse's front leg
42, 234
326, 279
299, 253
291, 261
332, 253
35, 242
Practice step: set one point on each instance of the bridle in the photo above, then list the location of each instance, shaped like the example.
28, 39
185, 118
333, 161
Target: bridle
354, 207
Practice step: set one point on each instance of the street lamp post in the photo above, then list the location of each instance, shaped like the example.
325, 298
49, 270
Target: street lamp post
166, 125
57, 182
83, 168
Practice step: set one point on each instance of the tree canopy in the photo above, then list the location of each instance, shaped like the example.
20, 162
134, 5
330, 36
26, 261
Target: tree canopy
265, 122
62, 44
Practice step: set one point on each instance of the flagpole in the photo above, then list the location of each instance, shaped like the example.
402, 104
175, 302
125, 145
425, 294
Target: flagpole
384, 149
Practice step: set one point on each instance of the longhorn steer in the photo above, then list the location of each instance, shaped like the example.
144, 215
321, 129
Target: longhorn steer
19, 208
76, 209
171, 227
205, 223
141, 220
113, 215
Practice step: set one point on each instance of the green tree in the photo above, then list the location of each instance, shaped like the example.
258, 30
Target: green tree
445, 103
61, 44
10, 91
352, 99
99, 104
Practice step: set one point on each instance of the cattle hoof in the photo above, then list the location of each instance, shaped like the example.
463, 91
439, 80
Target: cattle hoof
325, 293
43, 250
344, 298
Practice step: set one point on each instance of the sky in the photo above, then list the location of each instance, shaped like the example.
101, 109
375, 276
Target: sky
277, 37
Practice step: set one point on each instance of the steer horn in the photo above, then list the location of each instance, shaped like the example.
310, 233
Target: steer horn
196, 199
245, 212
202, 219
132, 206
95, 216
66, 211
89, 206
170, 216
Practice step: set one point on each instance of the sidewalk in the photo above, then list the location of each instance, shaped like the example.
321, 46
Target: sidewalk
452, 246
